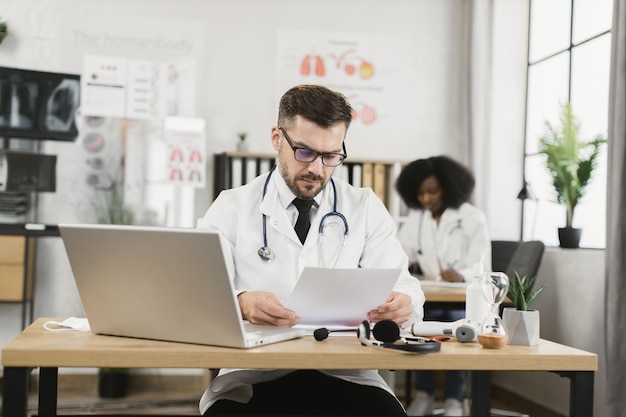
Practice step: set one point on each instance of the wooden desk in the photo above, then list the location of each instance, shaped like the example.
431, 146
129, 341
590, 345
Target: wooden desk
445, 297
17, 267
36, 347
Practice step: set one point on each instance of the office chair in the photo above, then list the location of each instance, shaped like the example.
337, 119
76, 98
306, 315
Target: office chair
501, 253
526, 259
513, 256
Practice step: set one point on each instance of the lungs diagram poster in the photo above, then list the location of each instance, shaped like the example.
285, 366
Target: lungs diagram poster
370, 70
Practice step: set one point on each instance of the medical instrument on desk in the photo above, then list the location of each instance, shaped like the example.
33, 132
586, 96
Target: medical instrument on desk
385, 331
267, 254
495, 288
392, 339
464, 330
322, 333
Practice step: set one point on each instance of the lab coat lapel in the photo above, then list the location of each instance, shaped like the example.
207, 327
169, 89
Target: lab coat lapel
277, 218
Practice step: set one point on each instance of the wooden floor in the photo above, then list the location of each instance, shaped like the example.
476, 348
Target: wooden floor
154, 395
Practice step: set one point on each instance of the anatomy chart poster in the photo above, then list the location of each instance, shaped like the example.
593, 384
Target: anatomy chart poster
370, 70
117, 87
186, 143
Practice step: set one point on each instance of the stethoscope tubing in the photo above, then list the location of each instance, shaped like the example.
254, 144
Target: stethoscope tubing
457, 226
265, 253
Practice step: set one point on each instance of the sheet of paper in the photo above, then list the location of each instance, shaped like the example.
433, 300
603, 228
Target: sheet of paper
336, 296
427, 283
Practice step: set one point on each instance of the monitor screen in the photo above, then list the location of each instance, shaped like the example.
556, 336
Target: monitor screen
27, 171
38, 105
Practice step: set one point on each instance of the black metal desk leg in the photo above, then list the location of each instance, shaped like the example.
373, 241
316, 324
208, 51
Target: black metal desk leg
481, 393
48, 383
580, 392
15, 392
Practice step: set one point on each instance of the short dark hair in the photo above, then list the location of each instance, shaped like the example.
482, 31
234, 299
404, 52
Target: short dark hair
457, 181
315, 102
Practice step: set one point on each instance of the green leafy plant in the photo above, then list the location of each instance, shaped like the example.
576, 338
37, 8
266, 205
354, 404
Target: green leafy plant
113, 382
112, 209
4, 30
522, 291
105, 371
242, 136
569, 159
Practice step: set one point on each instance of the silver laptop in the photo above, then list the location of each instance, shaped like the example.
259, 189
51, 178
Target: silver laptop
160, 283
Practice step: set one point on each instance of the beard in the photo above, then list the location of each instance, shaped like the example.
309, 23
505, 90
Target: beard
310, 191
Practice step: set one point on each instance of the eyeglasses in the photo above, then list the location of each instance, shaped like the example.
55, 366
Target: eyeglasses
330, 159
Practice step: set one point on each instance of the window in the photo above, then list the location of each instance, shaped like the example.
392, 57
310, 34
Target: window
568, 60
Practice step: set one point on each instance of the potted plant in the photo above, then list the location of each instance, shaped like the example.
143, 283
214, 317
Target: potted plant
242, 145
113, 209
4, 31
571, 162
112, 382
520, 322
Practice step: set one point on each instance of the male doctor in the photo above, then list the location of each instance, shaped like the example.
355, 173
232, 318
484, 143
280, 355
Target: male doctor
258, 221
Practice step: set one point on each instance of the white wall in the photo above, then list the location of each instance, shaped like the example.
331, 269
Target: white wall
232, 45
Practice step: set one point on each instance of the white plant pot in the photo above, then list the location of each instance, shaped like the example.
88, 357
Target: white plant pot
242, 146
522, 327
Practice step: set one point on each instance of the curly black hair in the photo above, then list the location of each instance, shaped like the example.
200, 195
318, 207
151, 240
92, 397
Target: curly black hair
457, 181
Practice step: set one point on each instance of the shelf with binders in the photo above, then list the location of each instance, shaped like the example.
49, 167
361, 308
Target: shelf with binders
18, 250
232, 169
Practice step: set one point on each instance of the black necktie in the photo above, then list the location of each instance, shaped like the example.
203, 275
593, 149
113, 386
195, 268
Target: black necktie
303, 223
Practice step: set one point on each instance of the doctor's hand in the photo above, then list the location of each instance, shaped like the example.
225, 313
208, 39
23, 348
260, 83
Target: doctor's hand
398, 308
262, 307
451, 275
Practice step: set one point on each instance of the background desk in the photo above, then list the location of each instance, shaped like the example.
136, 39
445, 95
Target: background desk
36, 347
445, 297
17, 263
448, 297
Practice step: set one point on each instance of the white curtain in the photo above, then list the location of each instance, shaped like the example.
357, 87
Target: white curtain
479, 95
616, 225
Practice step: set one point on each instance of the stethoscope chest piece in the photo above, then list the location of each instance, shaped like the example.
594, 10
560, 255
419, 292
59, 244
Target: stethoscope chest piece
266, 254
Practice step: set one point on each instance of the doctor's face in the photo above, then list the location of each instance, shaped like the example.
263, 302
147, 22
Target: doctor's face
430, 196
307, 179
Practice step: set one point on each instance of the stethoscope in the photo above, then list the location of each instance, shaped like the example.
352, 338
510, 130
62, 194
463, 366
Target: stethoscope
267, 254
458, 226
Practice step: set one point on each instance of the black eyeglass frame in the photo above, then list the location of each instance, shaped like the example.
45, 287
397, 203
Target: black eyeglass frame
295, 150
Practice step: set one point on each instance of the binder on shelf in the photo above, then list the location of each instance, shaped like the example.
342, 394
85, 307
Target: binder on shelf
342, 172
237, 169
232, 169
380, 182
251, 171
357, 175
368, 175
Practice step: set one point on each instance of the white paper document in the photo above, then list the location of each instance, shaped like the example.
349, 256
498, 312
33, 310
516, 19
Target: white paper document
443, 284
336, 296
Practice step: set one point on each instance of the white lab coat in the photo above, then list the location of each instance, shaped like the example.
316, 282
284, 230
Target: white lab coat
370, 243
460, 240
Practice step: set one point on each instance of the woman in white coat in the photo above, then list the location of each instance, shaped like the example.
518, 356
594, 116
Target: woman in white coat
268, 256
444, 236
